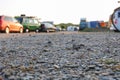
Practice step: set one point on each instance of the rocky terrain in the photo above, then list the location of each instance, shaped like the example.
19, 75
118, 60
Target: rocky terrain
60, 56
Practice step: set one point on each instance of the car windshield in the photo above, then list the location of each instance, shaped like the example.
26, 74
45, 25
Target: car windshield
14, 20
35, 21
48, 25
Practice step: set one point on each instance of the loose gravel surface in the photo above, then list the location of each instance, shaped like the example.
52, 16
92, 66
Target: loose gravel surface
60, 56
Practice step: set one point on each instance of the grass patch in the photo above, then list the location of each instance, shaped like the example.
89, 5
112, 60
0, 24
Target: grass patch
109, 61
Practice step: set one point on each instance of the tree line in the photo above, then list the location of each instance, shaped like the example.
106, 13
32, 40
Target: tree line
65, 25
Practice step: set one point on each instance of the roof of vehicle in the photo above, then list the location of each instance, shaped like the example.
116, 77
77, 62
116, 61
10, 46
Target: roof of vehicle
6, 15
117, 9
25, 16
2, 16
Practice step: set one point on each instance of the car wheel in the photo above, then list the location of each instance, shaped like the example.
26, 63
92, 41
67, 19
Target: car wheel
7, 30
21, 30
116, 31
48, 31
54, 30
36, 30
27, 30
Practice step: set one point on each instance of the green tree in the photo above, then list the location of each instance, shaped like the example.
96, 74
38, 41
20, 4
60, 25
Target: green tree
65, 25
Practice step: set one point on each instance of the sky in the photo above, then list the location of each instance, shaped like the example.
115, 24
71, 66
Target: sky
60, 11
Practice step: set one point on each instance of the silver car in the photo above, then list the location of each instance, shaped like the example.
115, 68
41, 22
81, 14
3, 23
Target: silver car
47, 27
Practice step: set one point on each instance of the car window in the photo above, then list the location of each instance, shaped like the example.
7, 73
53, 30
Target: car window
6, 18
13, 19
26, 20
48, 25
118, 14
35, 21
31, 21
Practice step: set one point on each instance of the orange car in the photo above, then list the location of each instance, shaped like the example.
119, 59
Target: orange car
9, 24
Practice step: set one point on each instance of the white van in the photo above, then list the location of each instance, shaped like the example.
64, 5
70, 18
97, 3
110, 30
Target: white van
116, 19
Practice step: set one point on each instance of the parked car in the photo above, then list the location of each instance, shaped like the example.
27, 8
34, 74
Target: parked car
47, 27
83, 24
58, 28
70, 28
10, 24
115, 18
29, 23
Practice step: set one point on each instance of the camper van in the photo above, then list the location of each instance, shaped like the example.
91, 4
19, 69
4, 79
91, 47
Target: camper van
83, 24
116, 19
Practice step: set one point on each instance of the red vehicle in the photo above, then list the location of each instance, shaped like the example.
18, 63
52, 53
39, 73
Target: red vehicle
10, 24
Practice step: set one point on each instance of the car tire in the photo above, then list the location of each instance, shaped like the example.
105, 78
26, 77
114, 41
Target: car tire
37, 30
47, 31
26, 30
116, 31
7, 30
21, 30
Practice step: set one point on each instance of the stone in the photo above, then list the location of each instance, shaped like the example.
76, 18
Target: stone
106, 78
105, 74
12, 78
7, 74
56, 66
55, 56
1, 78
77, 47
91, 66
98, 68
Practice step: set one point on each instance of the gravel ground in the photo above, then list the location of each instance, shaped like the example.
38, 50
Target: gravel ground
60, 56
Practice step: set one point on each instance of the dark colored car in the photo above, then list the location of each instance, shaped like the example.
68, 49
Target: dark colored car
47, 27
29, 23
10, 24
